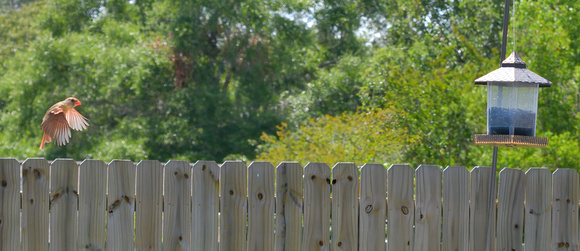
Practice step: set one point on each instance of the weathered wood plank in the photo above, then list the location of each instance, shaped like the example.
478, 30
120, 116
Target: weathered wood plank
149, 198
401, 207
428, 208
565, 210
92, 205
455, 208
9, 204
373, 207
510, 209
480, 178
261, 206
538, 212
344, 206
177, 206
64, 177
234, 206
205, 206
121, 205
289, 201
316, 207
35, 204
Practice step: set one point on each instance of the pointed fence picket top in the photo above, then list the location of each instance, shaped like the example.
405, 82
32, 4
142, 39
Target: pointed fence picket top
428, 208
480, 179
205, 206
177, 206
289, 201
344, 206
373, 207
63, 204
121, 205
565, 210
9, 204
92, 205
538, 212
234, 206
261, 206
510, 209
455, 208
35, 204
401, 207
316, 207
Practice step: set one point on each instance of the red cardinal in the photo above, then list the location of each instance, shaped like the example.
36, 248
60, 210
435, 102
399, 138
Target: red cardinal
59, 118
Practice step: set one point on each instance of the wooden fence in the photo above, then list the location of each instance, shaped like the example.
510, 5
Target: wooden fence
205, 206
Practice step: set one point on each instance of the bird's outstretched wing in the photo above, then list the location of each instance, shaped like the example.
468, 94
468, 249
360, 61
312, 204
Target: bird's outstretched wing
76, 120
55, 126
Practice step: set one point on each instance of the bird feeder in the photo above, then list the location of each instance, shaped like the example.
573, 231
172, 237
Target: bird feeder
512, 105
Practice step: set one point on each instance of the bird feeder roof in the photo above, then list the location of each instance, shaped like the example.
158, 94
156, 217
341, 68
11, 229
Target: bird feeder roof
513, 69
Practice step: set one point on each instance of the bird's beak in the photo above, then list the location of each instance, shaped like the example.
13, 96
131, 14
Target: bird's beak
77, 103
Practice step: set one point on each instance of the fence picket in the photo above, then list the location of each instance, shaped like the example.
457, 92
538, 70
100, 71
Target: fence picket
538, 212
316, 207
177, 206
35, 204
261, 206
149, 196
63, 204
401, 208
205, 206
510, 209
289, 201
373, 207
565, 210
455, 208
9, 204
428, 208
120, 205
92, 205
344, 206
480, 178
234, 206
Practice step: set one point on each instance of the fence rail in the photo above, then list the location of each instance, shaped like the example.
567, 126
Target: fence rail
91, 205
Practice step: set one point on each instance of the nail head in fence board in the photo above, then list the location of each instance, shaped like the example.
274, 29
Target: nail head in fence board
455, 208
289, 201
35, 194
234, 206
9, 204
344, 206
120, 205
538, 212
316, 207
428, 208
480, 178
401, 207
64, 177
373, 207
205, 201
261, 206
177, 206
510, 209
92, 205
149, 199
565, 210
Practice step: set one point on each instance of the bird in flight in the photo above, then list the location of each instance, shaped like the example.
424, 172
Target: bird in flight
59, 118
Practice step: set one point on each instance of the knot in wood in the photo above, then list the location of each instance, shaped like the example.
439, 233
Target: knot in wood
339, 243
37, 173
313, 177
203, 168
369, 209
260, 196
349, 178
405, 210
186, 176
231, 192
320, 243
328, 181
334, 181
4, 183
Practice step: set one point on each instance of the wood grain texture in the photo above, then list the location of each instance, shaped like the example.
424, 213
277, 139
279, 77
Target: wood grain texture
565, 210
455, 209
177, 206
9, 204
35, 204
510, 209
289, 206
538, 212
149, 195
316, 207
261, 206
121, 205
205, 206
92, 205
373, 207
64, 177
234, 206
344, 206
480, 178
428, 208
401, 207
